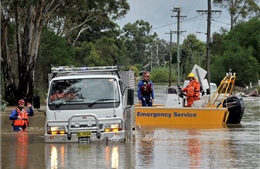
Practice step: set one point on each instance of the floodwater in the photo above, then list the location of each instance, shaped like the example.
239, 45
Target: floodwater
202, 147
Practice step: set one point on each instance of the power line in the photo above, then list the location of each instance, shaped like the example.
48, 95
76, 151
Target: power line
209, 12
174, 23
178, 16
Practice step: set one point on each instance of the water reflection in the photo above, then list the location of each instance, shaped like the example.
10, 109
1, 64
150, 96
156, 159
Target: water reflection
146, 148
21, 149
114, 157
194, 147
84, 155
203, 147
54, 157
185, 148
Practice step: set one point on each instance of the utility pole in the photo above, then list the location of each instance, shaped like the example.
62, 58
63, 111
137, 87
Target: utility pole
151, 60
209, 12
178, 16
157, 55
170, 60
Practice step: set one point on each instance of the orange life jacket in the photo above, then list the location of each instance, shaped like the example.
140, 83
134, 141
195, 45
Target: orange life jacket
24, 115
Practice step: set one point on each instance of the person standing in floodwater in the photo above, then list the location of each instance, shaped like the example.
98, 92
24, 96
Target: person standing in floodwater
20, 116
145, 91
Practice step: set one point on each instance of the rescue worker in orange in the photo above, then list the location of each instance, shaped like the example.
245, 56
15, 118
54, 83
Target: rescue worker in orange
145, 91
192, 90
20, 116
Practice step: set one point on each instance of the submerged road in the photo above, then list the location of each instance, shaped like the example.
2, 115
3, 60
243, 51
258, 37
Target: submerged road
235, 146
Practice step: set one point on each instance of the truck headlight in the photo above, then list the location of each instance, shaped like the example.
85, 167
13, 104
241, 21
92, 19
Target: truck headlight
112, 128
56, 130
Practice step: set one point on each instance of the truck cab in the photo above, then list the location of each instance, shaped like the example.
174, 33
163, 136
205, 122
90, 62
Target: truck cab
87, 104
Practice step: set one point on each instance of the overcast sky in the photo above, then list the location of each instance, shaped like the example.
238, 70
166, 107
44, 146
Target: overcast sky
158, 13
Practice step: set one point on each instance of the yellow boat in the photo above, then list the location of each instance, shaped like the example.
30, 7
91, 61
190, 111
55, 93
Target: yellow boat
163, 116
221, 108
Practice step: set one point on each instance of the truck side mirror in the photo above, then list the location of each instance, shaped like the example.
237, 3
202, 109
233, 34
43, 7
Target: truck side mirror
130, 96
36, 101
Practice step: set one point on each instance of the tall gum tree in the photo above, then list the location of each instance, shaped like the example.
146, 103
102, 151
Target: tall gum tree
138, 38
22, 22
239, 9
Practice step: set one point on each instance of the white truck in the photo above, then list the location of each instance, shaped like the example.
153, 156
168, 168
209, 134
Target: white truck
88, 104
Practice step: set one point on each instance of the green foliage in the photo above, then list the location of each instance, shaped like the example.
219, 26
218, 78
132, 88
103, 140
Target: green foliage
68, 19
241, 61
216, 45
246, 34
54, 50
103, 51
138, 66
192, 52
161, 74
93, 58
107, 50
239, 50
88, 20
138, 38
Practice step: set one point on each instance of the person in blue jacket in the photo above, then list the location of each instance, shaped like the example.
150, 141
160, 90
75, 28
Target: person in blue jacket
19, 115
145, 91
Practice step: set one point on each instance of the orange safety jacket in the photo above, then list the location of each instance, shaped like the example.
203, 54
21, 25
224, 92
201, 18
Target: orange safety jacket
24, 121
193, 89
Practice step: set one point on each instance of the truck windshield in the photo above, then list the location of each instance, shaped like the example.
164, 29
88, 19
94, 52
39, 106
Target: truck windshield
83, 91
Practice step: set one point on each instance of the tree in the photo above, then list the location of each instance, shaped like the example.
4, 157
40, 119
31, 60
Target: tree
75, 17
103, 52
23, 20
240, 61
216, 44
239, 9
54, 50
163, 51
108, 40
193, 52
27, 18
247, 34
239, 51
138, 39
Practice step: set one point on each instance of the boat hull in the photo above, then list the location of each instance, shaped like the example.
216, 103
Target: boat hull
162, 116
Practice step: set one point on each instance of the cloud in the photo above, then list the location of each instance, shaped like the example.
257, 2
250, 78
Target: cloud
160, 15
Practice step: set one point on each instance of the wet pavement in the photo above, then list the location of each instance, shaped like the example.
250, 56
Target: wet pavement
234, 146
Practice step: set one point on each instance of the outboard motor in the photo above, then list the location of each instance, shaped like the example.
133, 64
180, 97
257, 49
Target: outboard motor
236, 108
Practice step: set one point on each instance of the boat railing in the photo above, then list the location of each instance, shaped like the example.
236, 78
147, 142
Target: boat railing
224, 90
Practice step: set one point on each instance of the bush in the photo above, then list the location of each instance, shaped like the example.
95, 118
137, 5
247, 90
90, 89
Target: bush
161, 75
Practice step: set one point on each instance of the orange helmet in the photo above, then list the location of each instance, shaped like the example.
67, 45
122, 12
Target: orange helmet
21, 101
